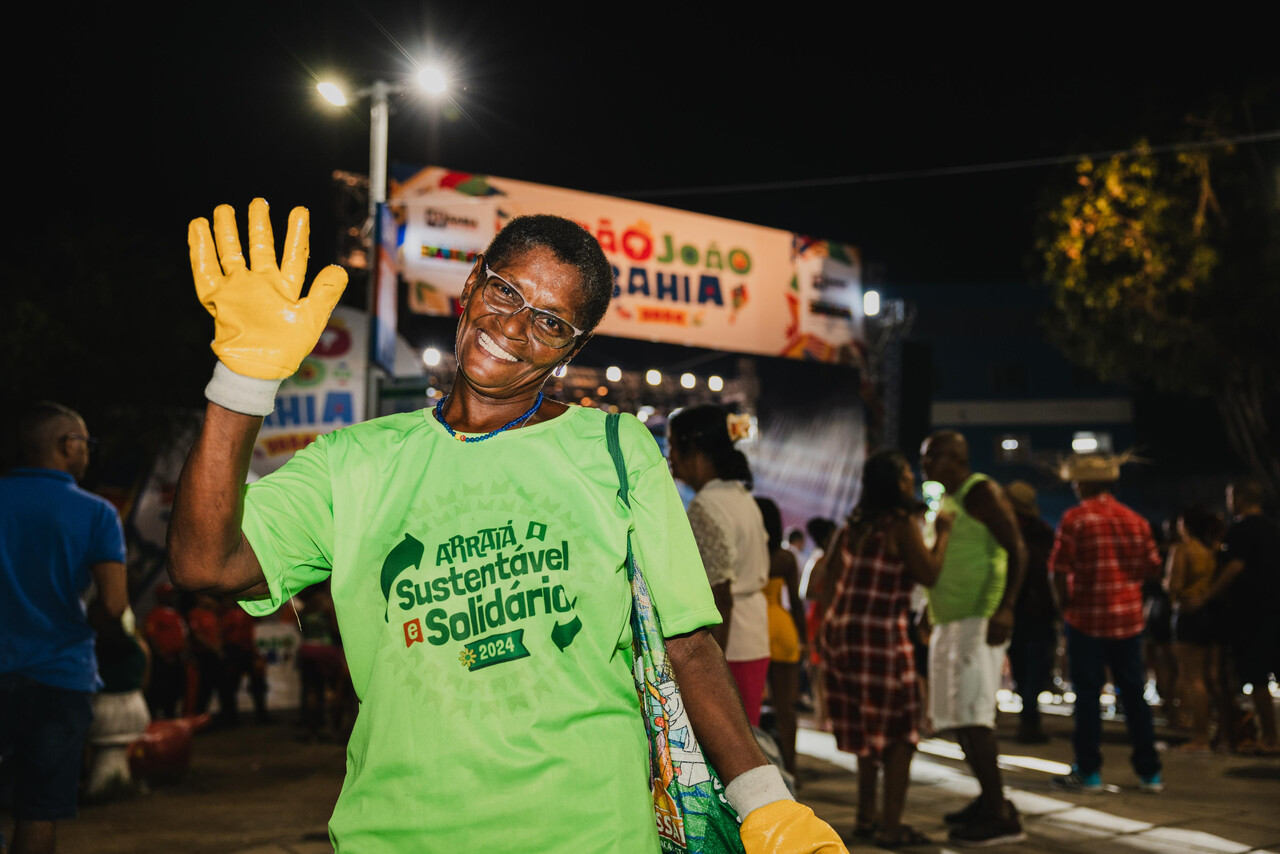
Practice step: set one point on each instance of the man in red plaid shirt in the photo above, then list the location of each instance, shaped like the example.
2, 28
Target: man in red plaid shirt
1102, 553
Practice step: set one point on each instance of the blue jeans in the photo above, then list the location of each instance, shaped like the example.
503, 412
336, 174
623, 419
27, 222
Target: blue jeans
1089, 657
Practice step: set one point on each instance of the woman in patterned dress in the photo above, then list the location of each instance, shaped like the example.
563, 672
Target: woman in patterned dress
872, 692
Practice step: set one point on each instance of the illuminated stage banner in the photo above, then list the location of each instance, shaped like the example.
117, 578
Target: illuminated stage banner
679, 277
326, 393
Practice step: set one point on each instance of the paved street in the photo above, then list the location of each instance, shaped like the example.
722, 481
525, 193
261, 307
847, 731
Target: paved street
1212, 803
257, 790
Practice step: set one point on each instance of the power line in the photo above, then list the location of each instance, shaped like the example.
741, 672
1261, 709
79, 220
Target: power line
943, 171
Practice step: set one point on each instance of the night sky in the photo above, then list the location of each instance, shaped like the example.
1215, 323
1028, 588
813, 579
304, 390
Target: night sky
160, 118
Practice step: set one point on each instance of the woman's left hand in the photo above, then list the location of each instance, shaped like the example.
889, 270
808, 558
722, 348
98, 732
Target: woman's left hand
788, 827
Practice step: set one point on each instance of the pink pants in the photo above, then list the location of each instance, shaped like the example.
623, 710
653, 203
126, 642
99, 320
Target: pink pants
750, 676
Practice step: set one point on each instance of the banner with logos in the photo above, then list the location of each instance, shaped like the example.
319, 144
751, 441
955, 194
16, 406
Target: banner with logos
325, 394
385, 281
679, 277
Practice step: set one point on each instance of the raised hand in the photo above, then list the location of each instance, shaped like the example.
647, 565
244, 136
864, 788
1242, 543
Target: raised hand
263, 328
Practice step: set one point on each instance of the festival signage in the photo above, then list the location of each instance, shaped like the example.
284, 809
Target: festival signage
326, 393
385, 280
679, 277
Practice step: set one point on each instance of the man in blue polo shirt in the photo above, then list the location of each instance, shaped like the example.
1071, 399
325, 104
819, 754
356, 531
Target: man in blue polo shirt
55, 539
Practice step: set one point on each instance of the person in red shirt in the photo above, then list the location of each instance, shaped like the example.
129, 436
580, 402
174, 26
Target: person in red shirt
1102, 553
166, 634
240, 659
206, 649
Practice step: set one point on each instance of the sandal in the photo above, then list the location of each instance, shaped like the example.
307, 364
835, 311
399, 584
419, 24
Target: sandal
866, 828
906, 836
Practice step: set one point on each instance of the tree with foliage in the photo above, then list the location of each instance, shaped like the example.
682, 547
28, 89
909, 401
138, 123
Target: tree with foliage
1166, 270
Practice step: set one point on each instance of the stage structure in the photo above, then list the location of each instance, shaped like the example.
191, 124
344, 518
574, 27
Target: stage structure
679, 278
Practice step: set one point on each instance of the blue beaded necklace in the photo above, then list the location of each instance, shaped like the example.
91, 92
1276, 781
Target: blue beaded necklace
516, 422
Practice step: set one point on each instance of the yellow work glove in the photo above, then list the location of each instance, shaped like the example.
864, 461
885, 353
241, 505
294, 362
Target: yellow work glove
263, 329
788, 827
773, 823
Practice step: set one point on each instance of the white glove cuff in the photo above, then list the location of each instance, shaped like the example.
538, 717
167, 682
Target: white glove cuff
246, 395
756, 788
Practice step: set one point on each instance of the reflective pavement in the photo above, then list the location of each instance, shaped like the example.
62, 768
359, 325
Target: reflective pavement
258, 790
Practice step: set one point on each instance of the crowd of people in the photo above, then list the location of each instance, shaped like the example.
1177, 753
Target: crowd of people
493, 617
1221, 583
884, 663
998, 583
202, 648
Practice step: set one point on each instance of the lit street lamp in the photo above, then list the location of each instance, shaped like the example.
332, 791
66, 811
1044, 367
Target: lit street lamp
432, 81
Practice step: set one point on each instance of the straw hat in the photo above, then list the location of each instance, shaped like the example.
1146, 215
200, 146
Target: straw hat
1023, 498
1092, 468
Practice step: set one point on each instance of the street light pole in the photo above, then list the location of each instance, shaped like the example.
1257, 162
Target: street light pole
379, 119
379, 94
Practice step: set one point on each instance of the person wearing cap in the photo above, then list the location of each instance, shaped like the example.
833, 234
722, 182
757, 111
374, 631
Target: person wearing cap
1102, 553
971, 608
1035, 615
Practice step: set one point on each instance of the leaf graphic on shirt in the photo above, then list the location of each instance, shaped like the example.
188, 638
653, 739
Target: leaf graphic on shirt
407, 553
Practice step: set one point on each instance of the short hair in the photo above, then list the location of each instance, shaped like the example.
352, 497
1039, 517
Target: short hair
1248, 491
947, 438
820, 529
39, 428
571, 244
772, 521
705, 428
1200, 523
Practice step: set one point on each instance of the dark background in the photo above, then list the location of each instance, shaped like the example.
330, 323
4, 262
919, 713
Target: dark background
130, 123
158, 117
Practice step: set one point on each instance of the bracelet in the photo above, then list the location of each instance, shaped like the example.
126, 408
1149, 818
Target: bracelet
756, 788
246, 395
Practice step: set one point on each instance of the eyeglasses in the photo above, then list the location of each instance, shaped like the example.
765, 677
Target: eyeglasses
506, 299
89, 441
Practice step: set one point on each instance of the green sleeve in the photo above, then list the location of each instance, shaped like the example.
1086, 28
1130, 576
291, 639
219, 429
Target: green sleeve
288, 520
662, 540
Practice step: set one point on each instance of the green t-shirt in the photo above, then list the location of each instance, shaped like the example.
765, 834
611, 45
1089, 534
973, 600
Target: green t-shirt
482, 597
974, 567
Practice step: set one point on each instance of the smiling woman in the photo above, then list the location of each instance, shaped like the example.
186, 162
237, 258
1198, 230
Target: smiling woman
480, 584
529, 306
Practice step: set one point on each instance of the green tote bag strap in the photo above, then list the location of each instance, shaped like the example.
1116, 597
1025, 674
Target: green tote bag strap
690, 810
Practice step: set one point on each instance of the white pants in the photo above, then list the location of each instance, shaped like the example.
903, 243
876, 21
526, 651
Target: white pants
964, 674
